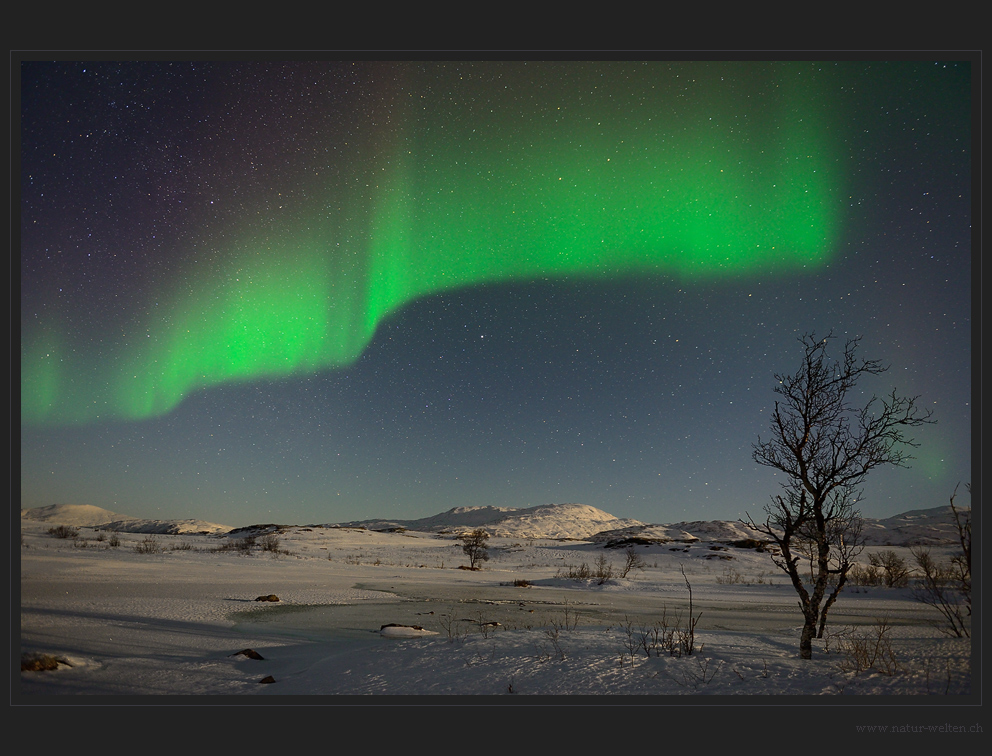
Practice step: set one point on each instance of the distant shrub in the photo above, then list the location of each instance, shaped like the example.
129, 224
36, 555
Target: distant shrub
602, 571
864, 576
730, 576
572, 572
64, 531
895, 572
147, 545
245, 545
475, 546
750, 543
632, 561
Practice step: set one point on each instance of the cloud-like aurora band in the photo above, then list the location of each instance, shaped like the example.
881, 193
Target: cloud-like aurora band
711, 186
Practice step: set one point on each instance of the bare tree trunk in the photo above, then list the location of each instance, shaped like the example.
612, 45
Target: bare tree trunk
841, 580
806, 640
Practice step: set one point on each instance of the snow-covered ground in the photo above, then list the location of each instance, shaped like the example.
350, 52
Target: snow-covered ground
169, 614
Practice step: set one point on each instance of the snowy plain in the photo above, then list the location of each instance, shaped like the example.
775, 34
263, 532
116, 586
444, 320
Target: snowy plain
380, 611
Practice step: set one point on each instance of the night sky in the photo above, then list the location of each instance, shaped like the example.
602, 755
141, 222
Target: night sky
324, 290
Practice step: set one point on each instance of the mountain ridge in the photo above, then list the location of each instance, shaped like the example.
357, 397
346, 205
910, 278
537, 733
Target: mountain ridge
552, 521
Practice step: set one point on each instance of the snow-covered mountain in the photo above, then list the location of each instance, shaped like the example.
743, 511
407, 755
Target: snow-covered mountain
724, 531
577, 521
89, 516
916, 527
563, 521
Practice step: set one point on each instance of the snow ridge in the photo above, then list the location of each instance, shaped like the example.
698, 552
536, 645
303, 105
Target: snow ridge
553, 521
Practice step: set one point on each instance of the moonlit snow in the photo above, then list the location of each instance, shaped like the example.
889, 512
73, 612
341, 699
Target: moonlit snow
134, 607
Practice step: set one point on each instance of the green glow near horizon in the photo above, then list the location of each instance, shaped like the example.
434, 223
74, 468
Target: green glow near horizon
717, 190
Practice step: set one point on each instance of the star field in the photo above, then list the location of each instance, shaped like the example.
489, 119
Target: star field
316, 291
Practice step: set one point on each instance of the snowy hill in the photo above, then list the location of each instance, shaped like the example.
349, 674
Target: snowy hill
88, 516
577, 521
559, 521
724, 531
916, 527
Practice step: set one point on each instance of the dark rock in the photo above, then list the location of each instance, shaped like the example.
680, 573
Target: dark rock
250, 653
270, 597
42, 663
267, 680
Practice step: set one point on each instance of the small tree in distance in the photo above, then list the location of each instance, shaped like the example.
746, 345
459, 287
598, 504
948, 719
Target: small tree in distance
475, 545
826, 447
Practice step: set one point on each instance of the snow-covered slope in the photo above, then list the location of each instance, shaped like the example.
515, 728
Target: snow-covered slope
88, 516
916, 527
577, 521
684, 532
562, 521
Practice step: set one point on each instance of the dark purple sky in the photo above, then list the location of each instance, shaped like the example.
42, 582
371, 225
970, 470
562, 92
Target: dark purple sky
637, 394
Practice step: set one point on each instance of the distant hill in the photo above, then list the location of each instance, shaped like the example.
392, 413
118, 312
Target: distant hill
577, 521
89, 516
565, 521
916, 527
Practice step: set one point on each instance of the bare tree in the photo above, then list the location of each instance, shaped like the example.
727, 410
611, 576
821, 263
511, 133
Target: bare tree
475, 545
826, 447
894, 572
947, 587
632, 561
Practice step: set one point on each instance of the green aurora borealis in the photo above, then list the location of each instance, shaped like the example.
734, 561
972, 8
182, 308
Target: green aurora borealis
604, 177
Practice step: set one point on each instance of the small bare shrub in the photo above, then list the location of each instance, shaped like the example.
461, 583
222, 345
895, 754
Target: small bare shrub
731, 576
604, 569
939, 585
64, 531
632, 561
894, 572
947, 587
245, 545
553, 634
869, 649
569, 619
147, 545
571, 572
864, 576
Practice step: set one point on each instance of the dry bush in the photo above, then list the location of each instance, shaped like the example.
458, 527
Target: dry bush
632, 561
947, 587
731, 576
863, 576
893, 570
147, 545
601, 572
869, 649
571, 572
